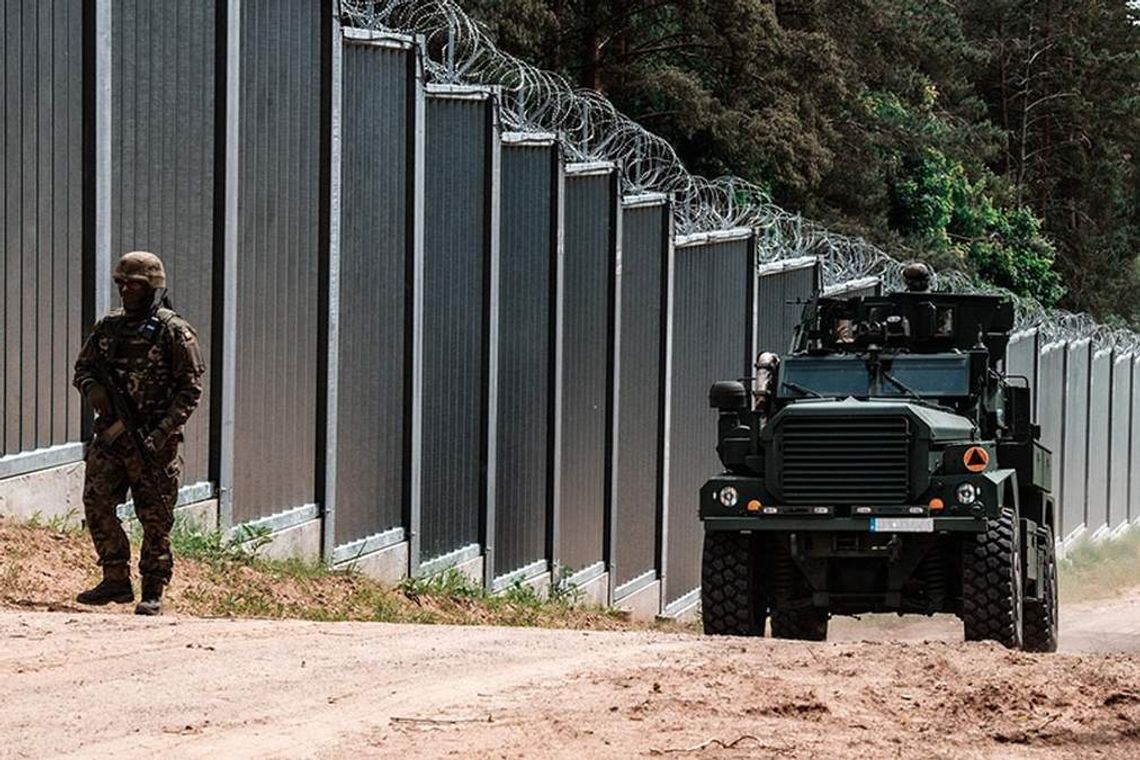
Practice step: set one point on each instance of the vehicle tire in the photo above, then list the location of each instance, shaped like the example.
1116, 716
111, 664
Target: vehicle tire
731, 602
991, 583
802, 623
1039, 628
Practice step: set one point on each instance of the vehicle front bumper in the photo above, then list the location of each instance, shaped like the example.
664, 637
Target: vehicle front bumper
757, 509
834, 524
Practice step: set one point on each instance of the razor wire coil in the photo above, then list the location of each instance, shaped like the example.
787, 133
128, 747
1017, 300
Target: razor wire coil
459, 50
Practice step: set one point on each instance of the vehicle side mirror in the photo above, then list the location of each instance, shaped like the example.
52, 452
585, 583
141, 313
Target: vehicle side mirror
728, 396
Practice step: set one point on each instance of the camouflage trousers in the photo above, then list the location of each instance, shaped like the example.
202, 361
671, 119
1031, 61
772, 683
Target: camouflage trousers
111, 470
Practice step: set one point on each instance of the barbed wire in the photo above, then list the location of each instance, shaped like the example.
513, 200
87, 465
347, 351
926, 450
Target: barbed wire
459, 50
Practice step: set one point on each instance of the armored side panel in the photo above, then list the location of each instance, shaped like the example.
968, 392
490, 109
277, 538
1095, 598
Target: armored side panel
277, 272
456, 309
712, 316
1021, 356
1096, 483
41, 223
527, 267
781, 291
1075, 439
162, 163
1050, 410
376, 269
644, 284
865, 286
587, 393
1120, 421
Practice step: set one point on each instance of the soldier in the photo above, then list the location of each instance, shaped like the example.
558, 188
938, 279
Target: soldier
917, 276
141, 364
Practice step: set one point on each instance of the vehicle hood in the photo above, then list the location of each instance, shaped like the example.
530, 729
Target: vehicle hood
943, 425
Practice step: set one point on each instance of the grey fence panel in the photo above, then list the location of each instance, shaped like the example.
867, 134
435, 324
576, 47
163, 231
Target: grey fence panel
589, 265
1075, 439
644, 277
1021, 358
1050, 409
162, 163
278, 282
1096, 489
1134, 447
711, 341
372, 452
456, 252
1121, 425
776, 318
527, 261
41, 221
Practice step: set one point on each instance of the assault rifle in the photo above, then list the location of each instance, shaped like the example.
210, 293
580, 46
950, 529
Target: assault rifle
127, 417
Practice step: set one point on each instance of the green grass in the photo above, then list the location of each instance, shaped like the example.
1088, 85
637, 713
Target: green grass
518, 604
246, 584
226, 574
67, 524
212, 546
450, 583
1100, 570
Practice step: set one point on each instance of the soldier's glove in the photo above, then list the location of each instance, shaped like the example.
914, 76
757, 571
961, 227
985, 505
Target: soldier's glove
156, 440
100, 400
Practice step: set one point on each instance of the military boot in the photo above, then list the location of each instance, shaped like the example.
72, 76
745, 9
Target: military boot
151, 603
115, 587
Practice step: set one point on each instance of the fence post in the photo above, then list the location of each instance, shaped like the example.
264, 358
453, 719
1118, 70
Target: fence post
414, 411
330, 355
228, 269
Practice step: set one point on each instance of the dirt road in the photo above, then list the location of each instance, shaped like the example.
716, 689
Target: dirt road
89, 685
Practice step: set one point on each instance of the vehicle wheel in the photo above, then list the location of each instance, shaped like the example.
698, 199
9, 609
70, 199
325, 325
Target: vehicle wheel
1040, 624
731, 602
803, 623
991, 583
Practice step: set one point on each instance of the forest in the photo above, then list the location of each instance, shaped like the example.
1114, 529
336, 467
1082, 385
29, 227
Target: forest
1000, 137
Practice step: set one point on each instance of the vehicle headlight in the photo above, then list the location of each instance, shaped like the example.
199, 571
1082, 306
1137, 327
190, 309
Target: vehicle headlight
967, 493
728, 496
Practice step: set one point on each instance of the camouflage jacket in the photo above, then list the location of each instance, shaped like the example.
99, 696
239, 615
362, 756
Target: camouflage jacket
156, 359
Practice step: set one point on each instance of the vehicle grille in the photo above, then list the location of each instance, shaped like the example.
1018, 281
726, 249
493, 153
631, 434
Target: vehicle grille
845, 460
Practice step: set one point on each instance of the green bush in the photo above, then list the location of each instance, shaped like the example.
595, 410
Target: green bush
935, 206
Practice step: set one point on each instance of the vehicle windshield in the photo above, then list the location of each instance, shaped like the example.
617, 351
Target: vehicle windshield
843, 376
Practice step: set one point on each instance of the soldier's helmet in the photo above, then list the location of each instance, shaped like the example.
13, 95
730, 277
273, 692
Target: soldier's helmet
141, 266
917, 276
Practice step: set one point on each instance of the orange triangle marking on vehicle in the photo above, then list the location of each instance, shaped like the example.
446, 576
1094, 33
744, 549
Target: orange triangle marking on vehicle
976, 459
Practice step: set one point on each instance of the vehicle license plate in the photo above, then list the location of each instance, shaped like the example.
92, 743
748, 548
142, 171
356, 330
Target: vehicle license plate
902, 524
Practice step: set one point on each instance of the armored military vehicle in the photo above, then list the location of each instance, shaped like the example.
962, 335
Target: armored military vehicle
886, 464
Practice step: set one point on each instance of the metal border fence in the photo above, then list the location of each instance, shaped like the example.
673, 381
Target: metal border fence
427, 333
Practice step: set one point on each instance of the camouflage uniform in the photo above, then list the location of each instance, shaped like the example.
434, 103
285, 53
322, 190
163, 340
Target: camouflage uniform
157, 360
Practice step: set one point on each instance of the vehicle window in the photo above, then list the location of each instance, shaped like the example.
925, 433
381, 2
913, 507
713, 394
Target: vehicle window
934, 376
831, 376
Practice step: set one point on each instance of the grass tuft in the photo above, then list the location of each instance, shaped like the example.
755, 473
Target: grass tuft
212, 546
67, 524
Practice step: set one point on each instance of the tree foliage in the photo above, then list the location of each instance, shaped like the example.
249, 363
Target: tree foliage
934, 203
998, 135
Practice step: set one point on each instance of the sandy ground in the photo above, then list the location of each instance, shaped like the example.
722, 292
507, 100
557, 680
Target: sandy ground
94, 685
